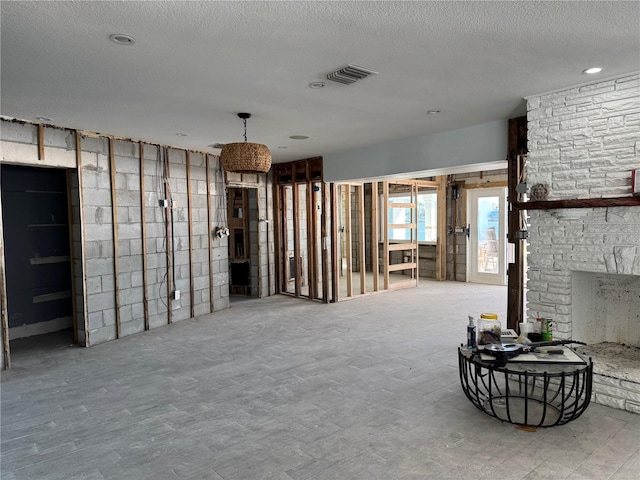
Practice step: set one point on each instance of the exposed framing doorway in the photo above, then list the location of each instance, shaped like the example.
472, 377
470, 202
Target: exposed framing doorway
303, 244
38, 253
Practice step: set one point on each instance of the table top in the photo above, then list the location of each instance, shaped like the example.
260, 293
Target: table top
533, 362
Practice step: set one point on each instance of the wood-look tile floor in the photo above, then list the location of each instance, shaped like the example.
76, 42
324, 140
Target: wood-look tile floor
288, 389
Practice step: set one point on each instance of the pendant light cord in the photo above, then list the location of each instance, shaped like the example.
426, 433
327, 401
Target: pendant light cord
245, 129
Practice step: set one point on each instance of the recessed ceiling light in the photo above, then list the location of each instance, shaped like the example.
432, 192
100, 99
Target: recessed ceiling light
432, 112
122, 39
217, 145
182, 134
317, 84
298, 137
592, 70
44, 119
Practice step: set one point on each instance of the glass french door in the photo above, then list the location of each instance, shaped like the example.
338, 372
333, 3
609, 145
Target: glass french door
487, 219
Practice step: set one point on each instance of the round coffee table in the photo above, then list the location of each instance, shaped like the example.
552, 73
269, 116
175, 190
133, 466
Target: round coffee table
528, 391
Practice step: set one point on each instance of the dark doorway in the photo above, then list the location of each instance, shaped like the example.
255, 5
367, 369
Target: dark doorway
37, 250
239, 241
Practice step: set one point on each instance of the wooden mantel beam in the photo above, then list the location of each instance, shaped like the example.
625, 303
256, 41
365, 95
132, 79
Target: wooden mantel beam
579, 203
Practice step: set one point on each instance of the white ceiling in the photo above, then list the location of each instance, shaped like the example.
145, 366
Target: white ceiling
194, 65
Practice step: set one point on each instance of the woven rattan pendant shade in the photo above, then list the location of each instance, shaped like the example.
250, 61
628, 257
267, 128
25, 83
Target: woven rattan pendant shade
245, 157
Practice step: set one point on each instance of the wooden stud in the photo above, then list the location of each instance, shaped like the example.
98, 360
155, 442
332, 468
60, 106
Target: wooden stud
515, 270
501, 183
72, 258
323, 243
143, 233
116, 255
312, 253
85, 305
278, 239
375, 230
40, 142
347, 235
385, 225
190, 217
209, 233
335, 239
167, 226
361, 241
415, 250
4, 312
296, 234
441, 239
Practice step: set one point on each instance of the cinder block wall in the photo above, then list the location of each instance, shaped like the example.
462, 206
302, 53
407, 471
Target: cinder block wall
111, 260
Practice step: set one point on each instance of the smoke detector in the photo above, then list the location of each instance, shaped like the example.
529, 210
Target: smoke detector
350, 74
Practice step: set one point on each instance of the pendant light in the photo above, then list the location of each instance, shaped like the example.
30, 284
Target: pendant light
245, 157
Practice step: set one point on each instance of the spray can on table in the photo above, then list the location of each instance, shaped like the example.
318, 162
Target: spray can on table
471, 333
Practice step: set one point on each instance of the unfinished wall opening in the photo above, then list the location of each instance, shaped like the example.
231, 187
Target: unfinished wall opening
36, 208
303, 242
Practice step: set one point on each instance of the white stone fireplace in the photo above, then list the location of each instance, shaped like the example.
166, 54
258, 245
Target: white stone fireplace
584, 263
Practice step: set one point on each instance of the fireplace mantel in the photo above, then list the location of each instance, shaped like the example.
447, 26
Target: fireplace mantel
578, 203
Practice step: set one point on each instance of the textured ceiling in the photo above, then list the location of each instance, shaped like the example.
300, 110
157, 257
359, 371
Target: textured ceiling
194, 65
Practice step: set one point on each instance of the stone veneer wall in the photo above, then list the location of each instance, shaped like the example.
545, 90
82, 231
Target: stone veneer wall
583, 143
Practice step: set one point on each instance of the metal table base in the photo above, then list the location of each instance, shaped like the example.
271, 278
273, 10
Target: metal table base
538, 395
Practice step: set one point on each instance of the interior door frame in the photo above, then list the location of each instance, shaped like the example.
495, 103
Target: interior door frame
473, 275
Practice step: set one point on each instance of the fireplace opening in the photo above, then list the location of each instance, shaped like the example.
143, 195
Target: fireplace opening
606, 315
605, 308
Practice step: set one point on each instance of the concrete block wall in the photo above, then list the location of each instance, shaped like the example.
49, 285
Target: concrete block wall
99, 267
93, 232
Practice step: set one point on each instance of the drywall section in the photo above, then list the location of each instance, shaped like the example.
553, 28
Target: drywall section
475, 148
130, 253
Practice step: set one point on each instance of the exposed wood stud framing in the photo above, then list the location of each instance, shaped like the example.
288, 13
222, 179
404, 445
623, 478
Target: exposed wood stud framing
190, 217
486, 184
296, 234
72, 257
143, 233
515, 270
335, 239
323, 243
116, 255
4, 312
41, 142
312, 252
375, 228
278, 239
361, 241
441, 242
209, 232
385, 225
347, 235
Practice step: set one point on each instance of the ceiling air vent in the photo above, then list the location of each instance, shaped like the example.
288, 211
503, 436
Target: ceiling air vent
350, 74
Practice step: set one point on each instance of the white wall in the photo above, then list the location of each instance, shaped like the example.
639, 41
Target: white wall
482, 147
